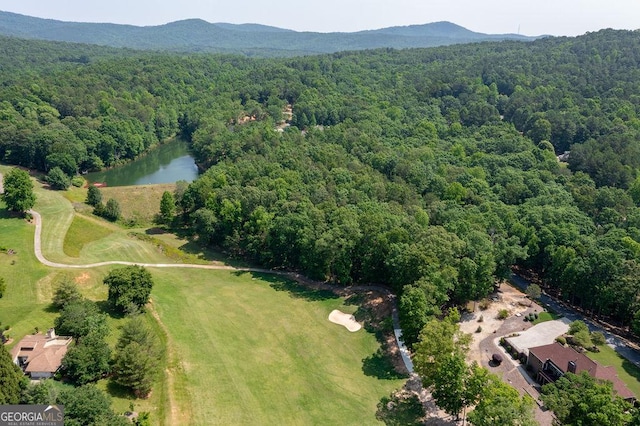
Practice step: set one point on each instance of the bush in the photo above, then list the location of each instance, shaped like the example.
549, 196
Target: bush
484, 304
503, 314
535, 315
481, 318
479, 329
598, 339
57, 179
561, 340
77, 181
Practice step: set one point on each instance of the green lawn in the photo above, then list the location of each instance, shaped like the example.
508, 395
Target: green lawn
546, 316
251, 352
242, 348
627, 371
81, 232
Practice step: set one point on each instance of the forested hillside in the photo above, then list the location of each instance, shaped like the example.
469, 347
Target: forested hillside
432, 171
196, 35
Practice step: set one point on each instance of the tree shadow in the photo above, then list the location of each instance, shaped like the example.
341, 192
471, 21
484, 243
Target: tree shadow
379, 365
118, 391
295, 290
400, 409
52, 309
631, 368
108, 308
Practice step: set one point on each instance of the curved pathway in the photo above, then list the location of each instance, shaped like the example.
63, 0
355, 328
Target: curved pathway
404, 352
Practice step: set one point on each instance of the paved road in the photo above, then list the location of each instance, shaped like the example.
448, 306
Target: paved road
614, 341
37, 246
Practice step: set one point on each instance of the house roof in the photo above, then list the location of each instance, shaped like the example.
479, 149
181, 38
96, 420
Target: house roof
43, 353
561, 356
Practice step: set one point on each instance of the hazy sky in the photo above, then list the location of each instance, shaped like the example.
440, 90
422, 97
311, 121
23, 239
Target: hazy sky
555, 17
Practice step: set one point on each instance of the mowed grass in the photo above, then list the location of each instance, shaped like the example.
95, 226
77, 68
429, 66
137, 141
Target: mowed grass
248, 352
81, 232
241, 349
627, 371
546, 316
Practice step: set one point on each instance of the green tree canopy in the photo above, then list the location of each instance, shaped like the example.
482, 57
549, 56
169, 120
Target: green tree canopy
167, 207
129, 287
58, 179
94, 196
18, 191
502, 405
88, 361
12, 380
581, 400
66, 292
79, 318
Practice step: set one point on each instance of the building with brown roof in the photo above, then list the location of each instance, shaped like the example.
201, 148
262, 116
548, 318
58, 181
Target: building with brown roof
40, 356
550, 362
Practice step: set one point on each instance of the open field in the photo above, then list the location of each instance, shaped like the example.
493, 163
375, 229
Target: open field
254, 353
242, 348
627, 371
138, 204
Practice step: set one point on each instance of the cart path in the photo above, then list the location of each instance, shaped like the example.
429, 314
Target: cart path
404, 352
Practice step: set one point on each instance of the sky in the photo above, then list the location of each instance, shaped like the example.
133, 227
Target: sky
528, 17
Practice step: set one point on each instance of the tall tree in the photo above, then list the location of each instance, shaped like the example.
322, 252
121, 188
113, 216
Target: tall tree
501, 405
12, 381
94, 196
79, 318
582, 400
129, 287
18, 191
167, 207
438, 342
66, 292
88, 361
137, 360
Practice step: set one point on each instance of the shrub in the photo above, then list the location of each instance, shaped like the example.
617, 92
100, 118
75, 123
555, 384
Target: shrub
58, 179
77, 181
535, 315
484, 304
479, 329
481, 318
503, 314
598, 338
561, 340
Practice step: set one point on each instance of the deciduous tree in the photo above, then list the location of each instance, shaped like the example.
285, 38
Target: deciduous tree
128, 286
18, 191
585, 401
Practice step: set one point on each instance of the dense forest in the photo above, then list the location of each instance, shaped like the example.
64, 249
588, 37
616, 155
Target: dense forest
433, 171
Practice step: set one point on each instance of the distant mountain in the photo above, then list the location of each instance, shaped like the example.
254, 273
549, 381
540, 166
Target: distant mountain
196, 35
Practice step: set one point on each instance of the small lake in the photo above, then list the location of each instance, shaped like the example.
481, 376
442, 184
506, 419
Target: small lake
168, 163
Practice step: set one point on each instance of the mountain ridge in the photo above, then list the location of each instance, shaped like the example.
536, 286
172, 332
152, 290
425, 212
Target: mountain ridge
198, 35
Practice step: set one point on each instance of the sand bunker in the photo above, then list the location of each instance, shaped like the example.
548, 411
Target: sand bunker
348, 320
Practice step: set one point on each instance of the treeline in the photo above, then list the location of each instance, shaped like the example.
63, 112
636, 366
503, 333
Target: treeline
433, 171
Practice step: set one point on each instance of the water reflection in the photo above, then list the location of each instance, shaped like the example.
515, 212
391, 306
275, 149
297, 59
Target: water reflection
168, 163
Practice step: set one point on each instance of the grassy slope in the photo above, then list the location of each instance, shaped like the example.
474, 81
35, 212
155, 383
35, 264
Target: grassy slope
241, 351
627, 372
254, 355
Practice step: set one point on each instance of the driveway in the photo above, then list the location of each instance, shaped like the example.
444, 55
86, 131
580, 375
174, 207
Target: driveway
614, 341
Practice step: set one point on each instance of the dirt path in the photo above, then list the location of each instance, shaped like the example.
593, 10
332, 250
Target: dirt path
177, 416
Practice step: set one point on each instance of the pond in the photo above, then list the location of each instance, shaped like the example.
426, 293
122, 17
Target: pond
168, 163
